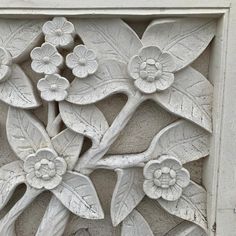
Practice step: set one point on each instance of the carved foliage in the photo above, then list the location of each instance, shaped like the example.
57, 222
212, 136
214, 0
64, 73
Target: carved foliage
112, 60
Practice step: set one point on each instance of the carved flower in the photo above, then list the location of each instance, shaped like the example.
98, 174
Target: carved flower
82, 61
44, 169
59, 32
165, 178
53, 87
46, 59
5, 62
152, 69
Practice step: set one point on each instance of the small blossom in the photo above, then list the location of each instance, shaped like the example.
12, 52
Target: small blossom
59, 32
82, 61
44, 169
165, 178
152, 69
53, 87
46, 59
5, 63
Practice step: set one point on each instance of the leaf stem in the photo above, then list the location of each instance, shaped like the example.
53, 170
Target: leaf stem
95, 153
54, 120
7, 223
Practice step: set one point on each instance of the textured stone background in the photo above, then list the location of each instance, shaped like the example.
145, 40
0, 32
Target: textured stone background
147, 121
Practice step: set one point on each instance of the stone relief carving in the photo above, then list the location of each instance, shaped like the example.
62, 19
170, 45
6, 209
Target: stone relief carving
113, 59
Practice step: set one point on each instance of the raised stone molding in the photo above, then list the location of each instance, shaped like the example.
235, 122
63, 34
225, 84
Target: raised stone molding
113, 59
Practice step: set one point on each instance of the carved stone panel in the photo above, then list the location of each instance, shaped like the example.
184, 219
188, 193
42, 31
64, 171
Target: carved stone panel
107, 121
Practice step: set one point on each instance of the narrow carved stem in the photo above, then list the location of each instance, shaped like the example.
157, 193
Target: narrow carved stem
53, 120
7, 223
95, 154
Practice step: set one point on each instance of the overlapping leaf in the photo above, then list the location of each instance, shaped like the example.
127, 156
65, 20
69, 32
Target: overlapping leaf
190, 97
25, 133
18, 91
186, 229
191, 206
109, 38
110, 78
181, 139
87, 120
11, 175
184, 38
68, 145
135, 225
78, 194
20, 36
127, 194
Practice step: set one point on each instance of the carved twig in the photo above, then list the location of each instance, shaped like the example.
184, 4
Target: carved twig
7, 224
52, 126
95, 154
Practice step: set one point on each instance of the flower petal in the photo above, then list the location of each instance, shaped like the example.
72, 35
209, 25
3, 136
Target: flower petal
150, 168
36, 53
34, 181
48, 96
144, 86
150, 52
37, 66
43, 85
46, 153
53, 182
56, 59
61, 166
48, 50
151, 190
172, 193
80, 51
171, 162
92, 66
167, 61
60, 95
30, 162
49, 28
63, 83
134, 67
50, 69
72, 60
166, 80
59, 21
80, 71
183, 178
68, 27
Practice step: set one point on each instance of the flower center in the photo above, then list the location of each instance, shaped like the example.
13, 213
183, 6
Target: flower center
59, 32
45, 169
46, 60
150, 70
82, 61
165, 177
53, 87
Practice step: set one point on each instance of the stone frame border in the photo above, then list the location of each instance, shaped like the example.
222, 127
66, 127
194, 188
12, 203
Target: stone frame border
219, 176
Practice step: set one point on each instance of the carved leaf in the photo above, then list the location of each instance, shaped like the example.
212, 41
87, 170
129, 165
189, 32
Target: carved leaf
25, 133
20, 36
190, 206
18, 91
185, 39
127, 194
78, 194
110, 78
181, 139
109, 38
186, 229
190, 97
135, 225
87, 120
11, 175
54, 220
68, 145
